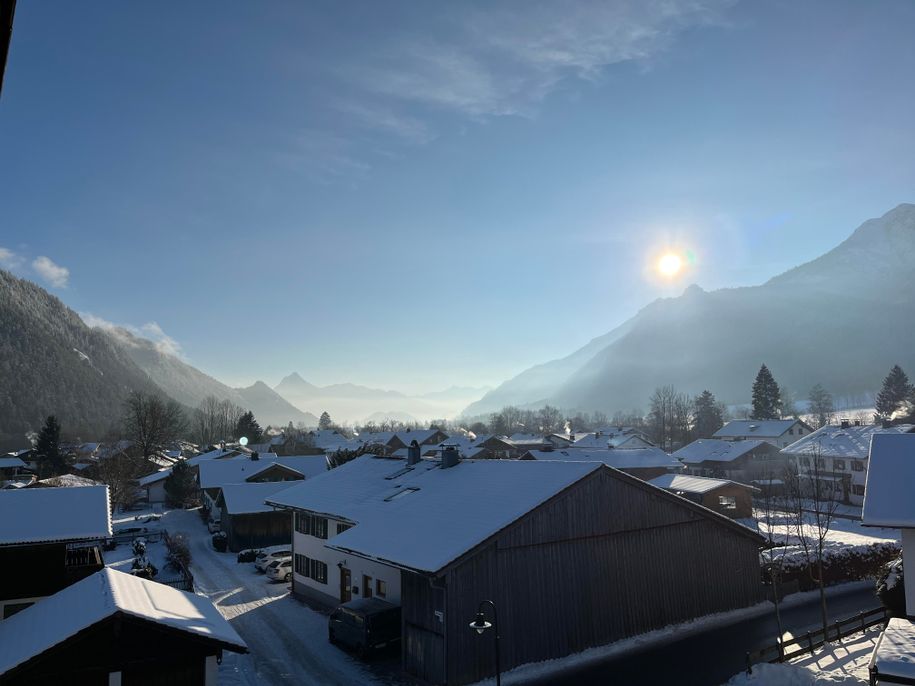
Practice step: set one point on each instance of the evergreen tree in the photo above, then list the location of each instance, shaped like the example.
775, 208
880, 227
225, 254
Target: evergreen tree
895, 393
249, 428
51, 462
325, 422
821, 406
708, 415
766, 396
180, 486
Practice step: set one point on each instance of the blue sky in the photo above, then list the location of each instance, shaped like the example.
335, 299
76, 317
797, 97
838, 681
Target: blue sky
414, 195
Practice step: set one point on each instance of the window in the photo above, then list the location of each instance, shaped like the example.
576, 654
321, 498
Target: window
728, 502
343, 527
857, 466
805, 461
301, 565
857, 489
311, 569
381, 588
790, 432
838, 465
311, 525
366, 586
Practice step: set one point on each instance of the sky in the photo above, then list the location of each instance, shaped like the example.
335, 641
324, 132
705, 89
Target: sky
415, 195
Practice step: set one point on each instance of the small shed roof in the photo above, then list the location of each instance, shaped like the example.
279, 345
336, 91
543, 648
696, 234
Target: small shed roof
52, 621
755, 427
888, 496
623, 458
249, 498
713, 450
693, 484
39, 515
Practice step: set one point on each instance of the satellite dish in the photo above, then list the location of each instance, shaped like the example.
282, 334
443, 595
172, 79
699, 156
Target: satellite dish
243, 441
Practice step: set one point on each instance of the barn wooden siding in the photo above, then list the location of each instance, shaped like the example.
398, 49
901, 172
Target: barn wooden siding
607, 559
257, 530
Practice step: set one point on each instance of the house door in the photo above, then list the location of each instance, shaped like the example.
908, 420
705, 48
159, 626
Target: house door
346, 585
366, 586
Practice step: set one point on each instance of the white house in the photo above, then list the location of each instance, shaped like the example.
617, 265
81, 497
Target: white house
841, 452
778, 432
890, 502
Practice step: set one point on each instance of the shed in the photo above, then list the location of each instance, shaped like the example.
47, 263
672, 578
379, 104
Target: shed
248, 521
732, 499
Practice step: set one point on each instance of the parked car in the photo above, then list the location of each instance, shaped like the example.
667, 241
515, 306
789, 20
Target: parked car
265, 557
214, 525
248, 555
365, 625
280, 570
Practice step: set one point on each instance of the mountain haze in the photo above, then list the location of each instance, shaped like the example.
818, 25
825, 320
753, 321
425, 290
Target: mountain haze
842, 320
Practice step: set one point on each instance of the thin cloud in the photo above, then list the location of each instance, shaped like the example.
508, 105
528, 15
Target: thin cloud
151, 331
9, 259
50, 271
386, 120
324, 156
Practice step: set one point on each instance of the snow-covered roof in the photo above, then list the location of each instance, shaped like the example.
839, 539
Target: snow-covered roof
850, 442
35, 515
630, 458
710, 449
218, 455
55, 619
755, 427
526, 438
888, 495
602, 440
692, 484
65, 481
894, 654
215, 473
221, 455
11, 462
248, 498
445, 512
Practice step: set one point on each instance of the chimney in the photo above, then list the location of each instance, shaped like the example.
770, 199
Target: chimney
255, 456
572, 436
413, 453
857, 422
886, 423
844, 424
450, 456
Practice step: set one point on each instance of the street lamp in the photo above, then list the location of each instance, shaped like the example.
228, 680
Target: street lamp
480, 625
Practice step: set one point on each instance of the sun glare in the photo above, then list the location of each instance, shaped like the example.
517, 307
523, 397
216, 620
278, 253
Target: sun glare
670, 265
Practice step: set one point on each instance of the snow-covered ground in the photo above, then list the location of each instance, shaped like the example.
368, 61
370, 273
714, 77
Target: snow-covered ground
844, 534
840, 662
121, 558
287, 640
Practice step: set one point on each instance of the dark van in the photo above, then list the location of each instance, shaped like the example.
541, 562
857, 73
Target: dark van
365, 625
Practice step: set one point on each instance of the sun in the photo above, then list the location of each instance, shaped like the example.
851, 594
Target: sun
670, 265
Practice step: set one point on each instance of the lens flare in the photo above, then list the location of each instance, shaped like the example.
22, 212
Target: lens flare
670, 265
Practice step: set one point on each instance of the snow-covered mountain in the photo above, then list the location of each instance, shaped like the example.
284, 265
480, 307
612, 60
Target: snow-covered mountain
841, 320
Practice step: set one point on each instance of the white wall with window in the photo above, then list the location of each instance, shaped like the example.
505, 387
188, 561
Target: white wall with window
319, 569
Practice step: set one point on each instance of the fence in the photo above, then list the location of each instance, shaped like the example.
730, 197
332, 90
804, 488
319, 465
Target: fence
781, 651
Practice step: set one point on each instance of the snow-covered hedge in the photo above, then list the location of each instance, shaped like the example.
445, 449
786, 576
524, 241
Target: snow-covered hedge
841, 564
891, 588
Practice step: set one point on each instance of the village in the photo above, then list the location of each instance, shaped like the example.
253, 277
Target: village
427, 556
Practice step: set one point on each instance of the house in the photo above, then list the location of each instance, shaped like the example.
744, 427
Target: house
738, 460
836, 455
574, 554
778, 432
496, 447
611, 437
12, 467
402, 439
214, 474
888, 502
642, 463
154, 484
49, 540
115, 628
247, 521
732, 499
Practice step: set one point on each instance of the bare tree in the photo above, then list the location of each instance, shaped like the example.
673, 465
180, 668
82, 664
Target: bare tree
216, 420
121, 472
811, 505
670, 417
152, 422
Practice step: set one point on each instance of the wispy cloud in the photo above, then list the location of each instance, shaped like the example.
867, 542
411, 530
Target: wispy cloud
51, 272
9, 259
381, 118
151, 331
324, 156
506, 59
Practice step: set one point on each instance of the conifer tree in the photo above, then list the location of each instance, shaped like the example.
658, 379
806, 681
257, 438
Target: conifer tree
180, 485
249, 428
708, 415
895, 392
51, 462
766, 396
325, 422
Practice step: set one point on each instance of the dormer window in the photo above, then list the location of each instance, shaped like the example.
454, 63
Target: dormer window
401, 493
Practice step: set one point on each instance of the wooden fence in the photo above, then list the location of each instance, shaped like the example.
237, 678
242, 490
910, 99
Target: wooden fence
781, 651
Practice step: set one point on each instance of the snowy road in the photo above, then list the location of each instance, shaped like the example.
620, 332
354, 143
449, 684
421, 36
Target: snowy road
287, 640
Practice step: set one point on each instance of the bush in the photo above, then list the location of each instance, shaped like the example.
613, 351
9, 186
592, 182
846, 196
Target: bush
179, 552
891, 588
842, 564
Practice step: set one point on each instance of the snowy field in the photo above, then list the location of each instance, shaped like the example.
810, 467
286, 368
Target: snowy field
841, 662
844, 534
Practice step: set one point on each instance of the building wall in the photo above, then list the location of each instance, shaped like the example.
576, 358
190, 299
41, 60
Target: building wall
257, 530
743, 498
156, 491
607, 559
329, 593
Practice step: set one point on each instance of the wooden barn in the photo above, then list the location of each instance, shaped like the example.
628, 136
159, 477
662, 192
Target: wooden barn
115, 628
573, 554
247, 521
729, 498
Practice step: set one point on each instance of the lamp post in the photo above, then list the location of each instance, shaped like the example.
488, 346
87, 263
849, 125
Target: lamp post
480, 625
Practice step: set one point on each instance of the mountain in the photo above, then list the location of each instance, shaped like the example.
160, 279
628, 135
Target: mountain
354, 403
189, 385
842, 320
51, 362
